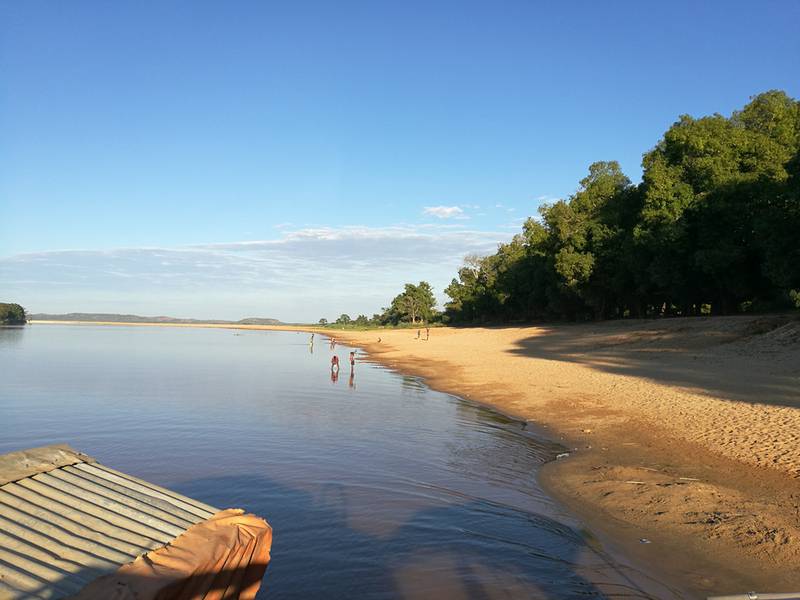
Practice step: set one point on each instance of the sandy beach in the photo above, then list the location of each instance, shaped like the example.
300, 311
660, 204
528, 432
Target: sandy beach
683, 434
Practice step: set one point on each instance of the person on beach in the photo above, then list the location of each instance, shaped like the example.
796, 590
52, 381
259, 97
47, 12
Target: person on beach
334, 363
352, 360
427, 333
419, 333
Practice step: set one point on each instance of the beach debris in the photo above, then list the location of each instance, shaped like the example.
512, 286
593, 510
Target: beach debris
562, 455
688, 478
586, 431
637, 482
644, 541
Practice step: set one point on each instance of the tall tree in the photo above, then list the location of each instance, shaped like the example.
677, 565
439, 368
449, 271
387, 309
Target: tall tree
415, 304
713, 223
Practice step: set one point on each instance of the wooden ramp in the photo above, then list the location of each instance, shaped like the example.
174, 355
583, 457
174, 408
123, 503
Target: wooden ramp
66, 521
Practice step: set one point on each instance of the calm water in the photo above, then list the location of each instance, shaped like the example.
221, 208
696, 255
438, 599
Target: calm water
376, 486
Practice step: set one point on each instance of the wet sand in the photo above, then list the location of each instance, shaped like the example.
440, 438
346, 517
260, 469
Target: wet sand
684, 433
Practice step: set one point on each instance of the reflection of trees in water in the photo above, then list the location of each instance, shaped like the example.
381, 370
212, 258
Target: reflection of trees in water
413, 384
11, 335
458, 548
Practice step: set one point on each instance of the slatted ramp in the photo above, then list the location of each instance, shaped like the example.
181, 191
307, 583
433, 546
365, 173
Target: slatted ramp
66, 520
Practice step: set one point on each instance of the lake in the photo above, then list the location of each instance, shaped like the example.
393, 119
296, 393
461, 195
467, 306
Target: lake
375, 485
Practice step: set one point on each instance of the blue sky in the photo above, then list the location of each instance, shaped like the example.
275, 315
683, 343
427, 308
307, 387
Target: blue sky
302, 159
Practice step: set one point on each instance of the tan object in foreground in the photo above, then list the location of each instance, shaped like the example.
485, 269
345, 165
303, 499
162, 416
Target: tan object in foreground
222, 557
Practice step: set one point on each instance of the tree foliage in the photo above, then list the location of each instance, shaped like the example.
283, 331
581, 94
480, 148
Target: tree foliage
415, 304
714, 223
12, 314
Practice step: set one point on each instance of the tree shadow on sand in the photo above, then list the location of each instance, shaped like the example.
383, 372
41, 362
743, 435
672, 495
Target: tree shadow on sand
722, 357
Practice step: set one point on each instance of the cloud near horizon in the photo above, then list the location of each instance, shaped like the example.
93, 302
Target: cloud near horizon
444, 212
301, 276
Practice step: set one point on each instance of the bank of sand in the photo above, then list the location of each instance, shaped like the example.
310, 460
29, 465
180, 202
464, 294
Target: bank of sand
683, 432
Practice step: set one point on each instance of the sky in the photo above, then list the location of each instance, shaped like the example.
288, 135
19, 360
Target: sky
299, 160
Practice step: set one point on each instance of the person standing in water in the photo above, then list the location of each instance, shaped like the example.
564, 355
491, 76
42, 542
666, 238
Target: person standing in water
335, 363
352, 360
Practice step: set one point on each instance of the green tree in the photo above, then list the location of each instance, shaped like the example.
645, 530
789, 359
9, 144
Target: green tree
713, 222
343, 319
323, 322
12, 314
416, 304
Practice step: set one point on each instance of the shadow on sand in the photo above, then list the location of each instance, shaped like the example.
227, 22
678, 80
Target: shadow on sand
721, 357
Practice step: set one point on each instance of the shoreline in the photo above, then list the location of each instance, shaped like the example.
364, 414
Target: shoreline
715, 524
681, 432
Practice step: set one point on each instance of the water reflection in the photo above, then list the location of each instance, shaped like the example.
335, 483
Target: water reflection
480, 550
11, 334
396, 491
411, 383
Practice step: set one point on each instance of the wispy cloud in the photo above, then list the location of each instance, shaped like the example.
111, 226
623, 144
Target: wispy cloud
443, 212
303, 275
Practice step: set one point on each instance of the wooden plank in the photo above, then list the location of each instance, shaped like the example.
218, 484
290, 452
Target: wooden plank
145, 507
203, 511
132, 493
78, 522
60, 548
25, 585
27, 463
112, 506
79, 508
64, 530
30, 561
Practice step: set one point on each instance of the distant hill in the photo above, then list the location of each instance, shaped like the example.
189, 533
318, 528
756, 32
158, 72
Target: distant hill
115, 318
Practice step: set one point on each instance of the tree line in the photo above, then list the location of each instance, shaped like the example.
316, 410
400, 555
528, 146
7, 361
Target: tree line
713, 228
416, 305
12, 314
